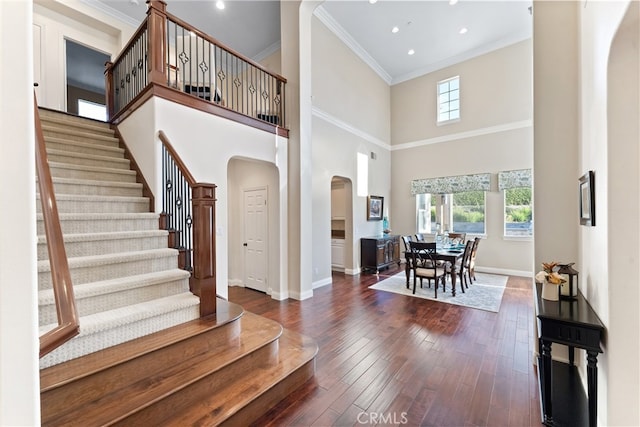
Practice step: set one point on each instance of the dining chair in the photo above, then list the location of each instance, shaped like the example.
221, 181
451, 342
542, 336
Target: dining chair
424, 265
472, 260
406, 240
419, 237
460, 237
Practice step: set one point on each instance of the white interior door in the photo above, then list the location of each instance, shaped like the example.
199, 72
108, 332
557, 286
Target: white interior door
255, 239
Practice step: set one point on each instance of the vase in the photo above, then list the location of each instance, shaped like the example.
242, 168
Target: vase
550, 291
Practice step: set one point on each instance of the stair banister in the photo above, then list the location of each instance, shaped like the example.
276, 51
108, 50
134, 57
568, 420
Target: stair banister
68, 323
203, 277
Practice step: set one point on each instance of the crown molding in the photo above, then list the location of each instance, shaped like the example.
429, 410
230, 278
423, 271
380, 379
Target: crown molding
463, 135
269, 50
321, 114
324, 17
107, 10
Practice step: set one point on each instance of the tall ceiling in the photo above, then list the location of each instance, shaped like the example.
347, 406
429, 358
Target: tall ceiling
430, 27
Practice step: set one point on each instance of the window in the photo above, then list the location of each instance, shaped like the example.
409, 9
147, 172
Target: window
518, 217
449, 100
518, 212
92, 110
460, 212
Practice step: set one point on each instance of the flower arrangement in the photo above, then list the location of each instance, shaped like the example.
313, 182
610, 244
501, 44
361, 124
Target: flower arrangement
550, 274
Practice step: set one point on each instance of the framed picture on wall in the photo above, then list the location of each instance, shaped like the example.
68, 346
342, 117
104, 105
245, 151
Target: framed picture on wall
375, 205
587, 199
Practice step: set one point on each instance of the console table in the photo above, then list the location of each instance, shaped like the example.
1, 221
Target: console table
575, 324
379, 252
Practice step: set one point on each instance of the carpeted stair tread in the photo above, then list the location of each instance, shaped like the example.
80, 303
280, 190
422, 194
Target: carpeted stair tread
110, 294
126, 175
91, 133
98, 203
64, 185
86, 290
83, 147
110, 266
82, 367
66, 121
87, 159
102, 330
102, 222
82, 244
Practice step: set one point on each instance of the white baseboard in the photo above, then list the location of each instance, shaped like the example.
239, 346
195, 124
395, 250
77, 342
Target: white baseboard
320, 283
504, 271
301, 295
279, 296
236, 282
351, 271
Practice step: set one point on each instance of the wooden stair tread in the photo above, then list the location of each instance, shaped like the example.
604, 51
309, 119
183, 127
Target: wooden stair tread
295, 351
67, 372
147, 390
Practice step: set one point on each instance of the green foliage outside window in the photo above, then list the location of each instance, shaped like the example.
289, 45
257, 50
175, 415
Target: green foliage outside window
518, 205
468, 206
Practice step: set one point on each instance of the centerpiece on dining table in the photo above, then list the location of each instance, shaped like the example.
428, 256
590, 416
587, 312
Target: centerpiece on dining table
551, 280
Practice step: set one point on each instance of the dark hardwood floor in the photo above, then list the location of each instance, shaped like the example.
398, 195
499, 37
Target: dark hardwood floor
387, 359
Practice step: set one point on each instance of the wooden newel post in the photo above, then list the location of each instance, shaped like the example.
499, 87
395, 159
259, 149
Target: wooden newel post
109, 89
157, 27
204, 246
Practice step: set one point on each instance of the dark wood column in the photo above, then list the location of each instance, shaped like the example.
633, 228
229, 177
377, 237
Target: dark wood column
204, 246
157, 26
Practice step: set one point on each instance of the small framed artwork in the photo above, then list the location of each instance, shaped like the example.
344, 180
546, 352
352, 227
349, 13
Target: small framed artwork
375, 205
588, 199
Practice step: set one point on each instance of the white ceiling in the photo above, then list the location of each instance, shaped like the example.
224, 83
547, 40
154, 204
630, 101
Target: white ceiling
430, 27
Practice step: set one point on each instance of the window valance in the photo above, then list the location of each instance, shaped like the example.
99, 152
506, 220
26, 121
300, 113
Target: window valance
451, 184
514, 179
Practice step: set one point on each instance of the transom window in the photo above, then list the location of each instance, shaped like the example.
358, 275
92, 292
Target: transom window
449, 100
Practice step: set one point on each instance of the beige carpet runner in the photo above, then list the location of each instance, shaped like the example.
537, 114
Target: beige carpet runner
126, 280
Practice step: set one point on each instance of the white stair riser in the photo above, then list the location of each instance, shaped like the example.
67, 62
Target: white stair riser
110, 246
82, 345
112, 270
92, 173
98, 206
95, 188
99, 303
81, 147
73, 226
104, 162
81, 135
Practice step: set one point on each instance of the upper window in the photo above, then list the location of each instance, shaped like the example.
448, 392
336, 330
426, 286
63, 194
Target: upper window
449, 100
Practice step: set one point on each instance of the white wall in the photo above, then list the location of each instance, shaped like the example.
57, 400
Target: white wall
493, 135
206, 144
350, 115
19, 346
610, 139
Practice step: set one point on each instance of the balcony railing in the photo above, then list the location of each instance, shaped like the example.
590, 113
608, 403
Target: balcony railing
168, 52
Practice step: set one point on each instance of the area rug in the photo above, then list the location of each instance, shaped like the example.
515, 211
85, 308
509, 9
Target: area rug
484, 294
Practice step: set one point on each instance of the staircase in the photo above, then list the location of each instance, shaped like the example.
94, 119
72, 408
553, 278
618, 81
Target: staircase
143, 356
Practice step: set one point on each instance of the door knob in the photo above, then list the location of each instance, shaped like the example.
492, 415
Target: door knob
244, 244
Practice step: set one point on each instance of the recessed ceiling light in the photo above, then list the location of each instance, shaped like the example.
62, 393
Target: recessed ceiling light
411, 52
463, 30
452, 2
220, 4
373, 1
395, 30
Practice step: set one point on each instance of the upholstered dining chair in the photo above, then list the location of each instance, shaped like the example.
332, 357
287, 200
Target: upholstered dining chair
424, 265
406, 240
472, 260
460, 237
419, 237
462, 266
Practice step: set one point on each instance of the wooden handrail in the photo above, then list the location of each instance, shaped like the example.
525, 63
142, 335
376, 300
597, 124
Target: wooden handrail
68, 322
203, 280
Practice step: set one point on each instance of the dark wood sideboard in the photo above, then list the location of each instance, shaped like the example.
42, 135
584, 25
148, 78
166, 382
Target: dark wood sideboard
575, 324
379, 252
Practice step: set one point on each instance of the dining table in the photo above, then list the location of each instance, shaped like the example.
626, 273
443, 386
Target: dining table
447, 253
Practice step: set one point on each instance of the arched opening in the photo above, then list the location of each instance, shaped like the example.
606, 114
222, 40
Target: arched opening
254, 226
